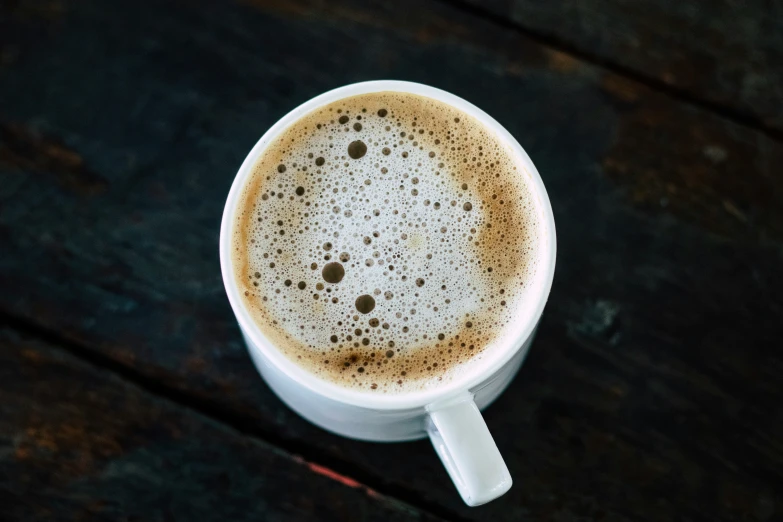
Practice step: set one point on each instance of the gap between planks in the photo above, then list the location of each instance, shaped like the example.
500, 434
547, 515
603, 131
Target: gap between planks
681, 95
341, 471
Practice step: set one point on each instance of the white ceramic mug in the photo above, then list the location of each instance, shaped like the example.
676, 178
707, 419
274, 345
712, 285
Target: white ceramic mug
448, 414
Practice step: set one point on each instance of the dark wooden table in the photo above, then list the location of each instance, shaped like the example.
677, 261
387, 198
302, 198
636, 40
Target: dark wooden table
655, 388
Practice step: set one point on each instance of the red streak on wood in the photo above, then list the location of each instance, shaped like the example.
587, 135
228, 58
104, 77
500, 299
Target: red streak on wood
326, 472
342, 479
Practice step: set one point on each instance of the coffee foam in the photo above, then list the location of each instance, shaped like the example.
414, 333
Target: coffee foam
385, 241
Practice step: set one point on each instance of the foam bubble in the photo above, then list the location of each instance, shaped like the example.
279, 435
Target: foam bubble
424, 230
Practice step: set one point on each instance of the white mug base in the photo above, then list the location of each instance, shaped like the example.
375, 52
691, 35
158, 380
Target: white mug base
370, 424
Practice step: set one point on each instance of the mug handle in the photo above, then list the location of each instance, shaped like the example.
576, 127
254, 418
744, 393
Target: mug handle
468, 451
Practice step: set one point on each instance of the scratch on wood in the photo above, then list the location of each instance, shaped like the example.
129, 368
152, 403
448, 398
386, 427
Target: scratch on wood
734, 211
74, 445
23, 149
621, 88
32, 355
337, 477
41, 438
562, 62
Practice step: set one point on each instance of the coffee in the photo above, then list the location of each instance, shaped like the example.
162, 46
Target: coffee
385, 241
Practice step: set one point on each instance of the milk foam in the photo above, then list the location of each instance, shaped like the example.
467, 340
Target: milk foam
385, 241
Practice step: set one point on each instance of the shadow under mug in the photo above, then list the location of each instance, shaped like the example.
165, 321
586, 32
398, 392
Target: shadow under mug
449, 414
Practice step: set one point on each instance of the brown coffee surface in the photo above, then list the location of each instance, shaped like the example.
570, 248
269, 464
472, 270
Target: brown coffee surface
385, 241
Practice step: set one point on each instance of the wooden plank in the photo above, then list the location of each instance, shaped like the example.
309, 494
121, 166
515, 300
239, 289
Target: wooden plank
651, 391
726, 54
77, 443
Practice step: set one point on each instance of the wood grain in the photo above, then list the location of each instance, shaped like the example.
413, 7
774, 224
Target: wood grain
77, 443
725, 53
652, 390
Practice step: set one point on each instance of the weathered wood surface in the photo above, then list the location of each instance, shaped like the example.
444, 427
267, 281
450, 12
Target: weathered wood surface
77, 443
725, 53
652, 391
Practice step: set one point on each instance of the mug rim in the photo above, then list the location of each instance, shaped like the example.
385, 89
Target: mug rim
364, 399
